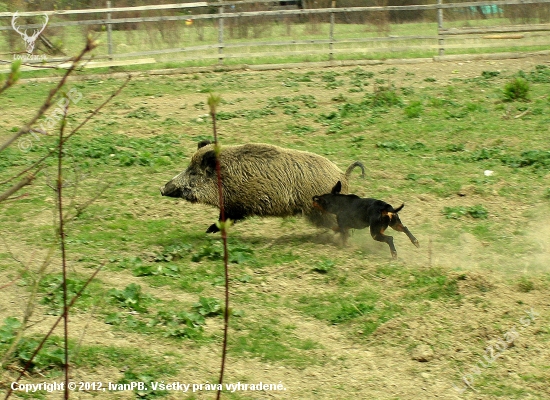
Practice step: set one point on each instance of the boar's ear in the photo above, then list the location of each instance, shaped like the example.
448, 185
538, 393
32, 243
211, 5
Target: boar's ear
337, 188
203, 143
208, 162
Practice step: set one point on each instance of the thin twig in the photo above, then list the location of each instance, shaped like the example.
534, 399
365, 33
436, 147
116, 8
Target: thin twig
61, 233
21, 184
73, 300
522, 114
74, 131
213, 101
29, 309
90, 45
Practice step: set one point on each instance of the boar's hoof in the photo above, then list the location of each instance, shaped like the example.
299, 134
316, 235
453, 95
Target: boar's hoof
213, 229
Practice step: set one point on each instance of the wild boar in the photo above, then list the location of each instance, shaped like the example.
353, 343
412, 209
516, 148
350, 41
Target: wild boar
259, 179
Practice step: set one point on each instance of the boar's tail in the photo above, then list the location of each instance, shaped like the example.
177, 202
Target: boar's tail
353, 165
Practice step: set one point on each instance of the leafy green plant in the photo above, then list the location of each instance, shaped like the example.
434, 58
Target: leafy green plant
323, 266
277, 101
538, 159
131, 297
208, 307
525, 285
300, 130
53, 298
433, 284
143, 113
454, 148
541, 74
173, 252
180, 324
240, 254
50, 356
357, 141
251, 115
212, 251
332, 120
414, 109
384, 96
396, 145
225, 115
477, 211
291, 109
9, 329
170, 122
517, 89
307, 100
157, 270
489, 74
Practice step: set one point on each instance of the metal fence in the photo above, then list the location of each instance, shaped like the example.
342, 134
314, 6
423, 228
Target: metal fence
248, 31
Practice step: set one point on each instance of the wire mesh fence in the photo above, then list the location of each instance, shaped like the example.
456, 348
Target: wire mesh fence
246, 31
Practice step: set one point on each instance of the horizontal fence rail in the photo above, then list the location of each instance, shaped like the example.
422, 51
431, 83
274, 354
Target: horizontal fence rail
220, 47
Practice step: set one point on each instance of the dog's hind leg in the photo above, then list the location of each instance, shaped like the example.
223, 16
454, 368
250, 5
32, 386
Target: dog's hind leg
378, 235
344, 233
398, 226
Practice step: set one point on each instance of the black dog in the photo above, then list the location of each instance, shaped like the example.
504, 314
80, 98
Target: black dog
353, 212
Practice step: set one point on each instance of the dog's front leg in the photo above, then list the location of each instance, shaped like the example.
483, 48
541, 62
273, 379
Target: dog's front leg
411, 237
402, 228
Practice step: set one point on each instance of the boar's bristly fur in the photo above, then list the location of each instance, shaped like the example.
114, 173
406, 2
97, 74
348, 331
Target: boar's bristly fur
259, 179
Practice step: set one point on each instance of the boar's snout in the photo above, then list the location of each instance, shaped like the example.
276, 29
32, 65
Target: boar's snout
171, 190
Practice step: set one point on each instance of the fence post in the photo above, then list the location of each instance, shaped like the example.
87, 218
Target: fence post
109, 33
220, 36
331, 34
441, 38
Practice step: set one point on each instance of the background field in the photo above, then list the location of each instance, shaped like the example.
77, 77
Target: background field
328, 322
266, 33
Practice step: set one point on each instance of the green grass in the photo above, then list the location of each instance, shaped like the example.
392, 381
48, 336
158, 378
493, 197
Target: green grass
253, 47
297, 298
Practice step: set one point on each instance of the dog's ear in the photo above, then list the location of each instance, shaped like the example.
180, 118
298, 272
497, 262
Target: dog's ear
337, 188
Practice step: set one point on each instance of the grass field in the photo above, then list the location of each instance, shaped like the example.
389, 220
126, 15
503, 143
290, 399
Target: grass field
460, 144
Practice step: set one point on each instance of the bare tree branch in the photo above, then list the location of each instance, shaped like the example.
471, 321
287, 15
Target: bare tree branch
90, 45
24, 182
61, 233
13, 76
213, 102
39, 347
74, 131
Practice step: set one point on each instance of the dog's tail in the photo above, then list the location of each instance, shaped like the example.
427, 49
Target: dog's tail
353, 165
399, 208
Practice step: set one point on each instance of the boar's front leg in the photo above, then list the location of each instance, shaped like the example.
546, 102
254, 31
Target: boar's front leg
233, 217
